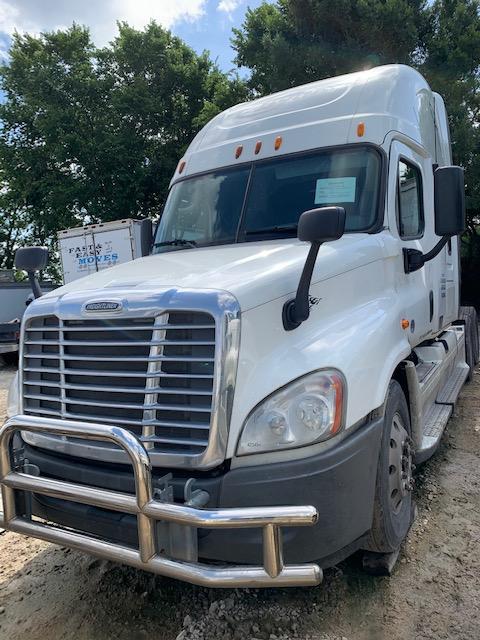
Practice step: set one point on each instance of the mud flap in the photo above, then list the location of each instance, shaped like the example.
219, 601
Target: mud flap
383, 564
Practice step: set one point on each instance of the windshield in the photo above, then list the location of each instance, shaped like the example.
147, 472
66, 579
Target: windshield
265, 199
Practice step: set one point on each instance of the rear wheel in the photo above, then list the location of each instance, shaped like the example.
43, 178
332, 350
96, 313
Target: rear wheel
393, 507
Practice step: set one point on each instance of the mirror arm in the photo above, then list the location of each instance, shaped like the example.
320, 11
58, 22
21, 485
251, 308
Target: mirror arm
414, 259
297, 310
37, 291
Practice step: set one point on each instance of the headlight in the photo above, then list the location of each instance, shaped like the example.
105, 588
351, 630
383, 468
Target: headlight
306, 411
12, 400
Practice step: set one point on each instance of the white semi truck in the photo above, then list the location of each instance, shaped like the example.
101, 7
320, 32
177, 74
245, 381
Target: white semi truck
244, 406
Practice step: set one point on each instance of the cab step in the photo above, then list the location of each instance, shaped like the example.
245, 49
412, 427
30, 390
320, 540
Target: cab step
433, 428
437, 416
450, 392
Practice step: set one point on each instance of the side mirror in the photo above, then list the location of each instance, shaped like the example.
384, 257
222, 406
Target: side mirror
315, 226
321, 225
32, 259
146, 236
449, 188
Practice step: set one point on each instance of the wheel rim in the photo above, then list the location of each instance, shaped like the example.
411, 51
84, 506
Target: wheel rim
400, 464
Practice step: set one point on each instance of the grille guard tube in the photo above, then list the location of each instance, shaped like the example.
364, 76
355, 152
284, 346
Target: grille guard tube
273, 573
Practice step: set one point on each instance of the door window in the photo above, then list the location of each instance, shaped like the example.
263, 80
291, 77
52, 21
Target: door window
409, 201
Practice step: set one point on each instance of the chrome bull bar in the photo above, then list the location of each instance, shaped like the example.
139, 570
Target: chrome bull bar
273, 573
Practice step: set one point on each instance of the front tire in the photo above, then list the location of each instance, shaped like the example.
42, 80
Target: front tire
393, 506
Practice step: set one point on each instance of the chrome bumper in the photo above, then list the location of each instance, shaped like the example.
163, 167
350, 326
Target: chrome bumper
273, 573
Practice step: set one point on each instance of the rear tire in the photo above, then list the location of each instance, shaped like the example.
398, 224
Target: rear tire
469, 316
393, 506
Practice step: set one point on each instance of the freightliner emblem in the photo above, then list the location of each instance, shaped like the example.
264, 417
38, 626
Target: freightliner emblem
103, 305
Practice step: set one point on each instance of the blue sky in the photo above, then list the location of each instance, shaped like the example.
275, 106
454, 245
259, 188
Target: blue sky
203, 24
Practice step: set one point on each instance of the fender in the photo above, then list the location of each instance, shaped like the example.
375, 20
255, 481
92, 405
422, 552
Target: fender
354, 327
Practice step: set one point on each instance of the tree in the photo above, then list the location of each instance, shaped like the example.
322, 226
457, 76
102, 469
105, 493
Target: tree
297, 41
94, 134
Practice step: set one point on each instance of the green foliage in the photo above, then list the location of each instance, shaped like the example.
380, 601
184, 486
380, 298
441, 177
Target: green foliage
297, 41
95, 134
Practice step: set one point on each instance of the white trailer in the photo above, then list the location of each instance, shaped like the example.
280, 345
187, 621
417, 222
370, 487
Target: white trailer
235, 383
95, 247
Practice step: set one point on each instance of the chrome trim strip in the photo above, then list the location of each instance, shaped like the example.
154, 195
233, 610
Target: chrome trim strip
148, 511
221, 305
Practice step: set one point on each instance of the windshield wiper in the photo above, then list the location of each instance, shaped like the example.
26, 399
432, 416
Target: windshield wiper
176, 242
287, 228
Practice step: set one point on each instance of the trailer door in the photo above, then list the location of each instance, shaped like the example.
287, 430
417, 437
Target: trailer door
113, 246
78, 256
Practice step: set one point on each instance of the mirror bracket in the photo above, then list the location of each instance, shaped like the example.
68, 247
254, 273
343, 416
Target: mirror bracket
35, 285
297, 310
315, 226
413, 259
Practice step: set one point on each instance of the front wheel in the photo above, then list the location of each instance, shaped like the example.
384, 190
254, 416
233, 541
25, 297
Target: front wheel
393, 507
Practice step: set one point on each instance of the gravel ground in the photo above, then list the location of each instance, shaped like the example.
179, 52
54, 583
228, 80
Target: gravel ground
48, 592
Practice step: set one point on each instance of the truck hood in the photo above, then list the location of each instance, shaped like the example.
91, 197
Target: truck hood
254, 272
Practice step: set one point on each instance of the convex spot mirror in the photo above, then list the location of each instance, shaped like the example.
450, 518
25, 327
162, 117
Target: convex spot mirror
449, 188
31, 259
321, 225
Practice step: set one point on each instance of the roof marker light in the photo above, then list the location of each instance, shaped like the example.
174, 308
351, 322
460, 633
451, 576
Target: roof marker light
278, 143
360, 129
181, 166
405, 323
258, 146
238, 151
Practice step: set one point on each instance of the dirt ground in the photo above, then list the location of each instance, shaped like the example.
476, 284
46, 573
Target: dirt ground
48, 592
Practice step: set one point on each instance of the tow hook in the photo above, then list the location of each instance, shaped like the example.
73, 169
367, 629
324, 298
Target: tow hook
197, 498
178, 541
22, 464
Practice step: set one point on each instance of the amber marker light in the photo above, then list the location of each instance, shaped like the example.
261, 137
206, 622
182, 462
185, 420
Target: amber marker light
181, 166
258, 146
337, 383
360, 129
238, 151
278, 143
405, 323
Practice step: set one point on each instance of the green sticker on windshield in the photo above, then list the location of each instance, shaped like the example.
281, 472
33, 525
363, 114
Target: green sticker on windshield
335, 190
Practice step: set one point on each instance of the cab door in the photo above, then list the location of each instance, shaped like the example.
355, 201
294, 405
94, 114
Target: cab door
410, 220
450, 269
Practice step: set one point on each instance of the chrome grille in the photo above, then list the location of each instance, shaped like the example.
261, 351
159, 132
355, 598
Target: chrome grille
153, 376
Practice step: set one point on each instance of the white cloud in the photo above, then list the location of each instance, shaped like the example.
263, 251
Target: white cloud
228, 6
100, 15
